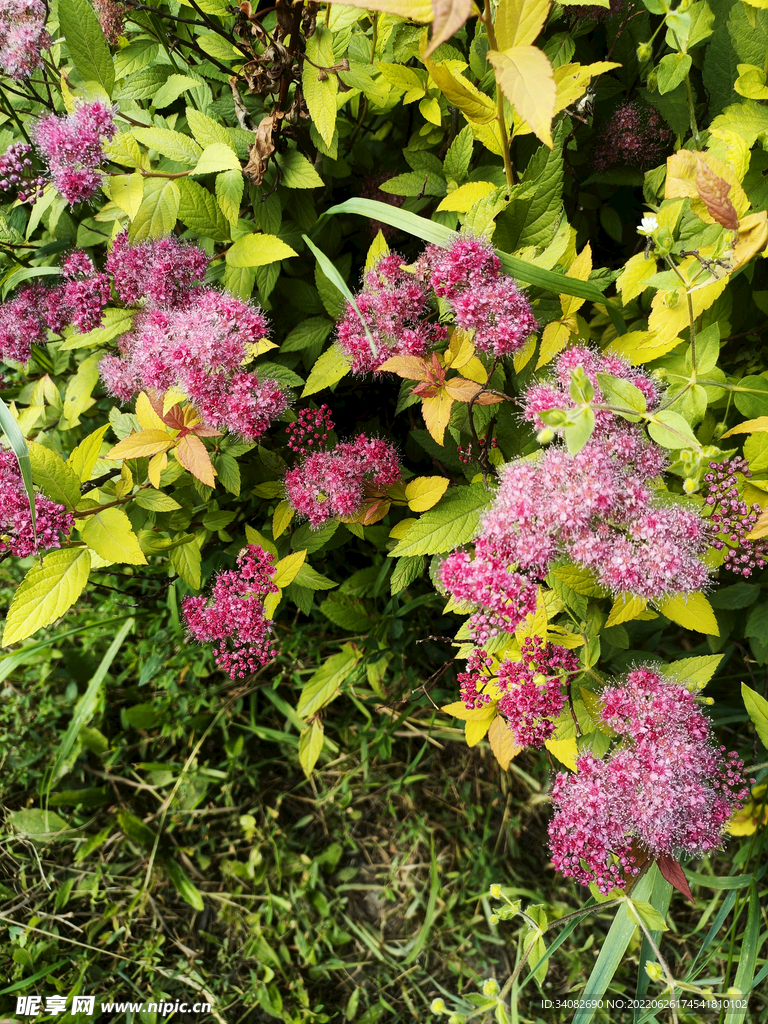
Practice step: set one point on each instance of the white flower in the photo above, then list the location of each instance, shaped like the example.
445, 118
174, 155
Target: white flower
647, 225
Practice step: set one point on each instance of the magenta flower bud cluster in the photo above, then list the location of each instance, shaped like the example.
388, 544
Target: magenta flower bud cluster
37, 309
732, 519
16, 173
399, 307
595, 508
666, 789
189, 337
111, 17
310, 431
73, 148
16, 532
635, 136
335, 483
232, 618
23, 36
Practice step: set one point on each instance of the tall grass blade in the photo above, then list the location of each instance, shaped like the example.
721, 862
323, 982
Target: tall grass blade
19, 446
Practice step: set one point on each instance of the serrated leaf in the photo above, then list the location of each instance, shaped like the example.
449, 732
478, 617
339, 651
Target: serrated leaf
168, 143
199, 210
328, 370
156, 501
218, 156
461, 93
324, 685
171, 89
320, 86
625, 608
141, 445
281, 519
694, 670
437, 414
230, 186
207, 131
187, 562
258, 250
463, 198
450, 15
287, 568
310, 746
425, 491
518, 22
54, 476
158, 211
46, 592
527, 80
692, 611
757, 709
127, 192
110, 534
83, 458
297, 171
670, 430
193, 455
452, 523
502, 741
86, 44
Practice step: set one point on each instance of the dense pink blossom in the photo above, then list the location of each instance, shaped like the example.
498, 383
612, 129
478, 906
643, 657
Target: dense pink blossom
233, 616
16, 532
22, 323
665, 789
16, 172
394, 306
22, 36
73, 148
111, 17
533, 694
334, 483
310, 431
474, 680
732, 519
162, 271
636, 135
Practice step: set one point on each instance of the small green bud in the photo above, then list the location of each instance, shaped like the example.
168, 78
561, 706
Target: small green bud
684, 5
494, 918
490, 987
689, 486
540, 679
644, 52
720, 429
652, 78
734, 993
554, 417
653, 970
438, 1006
457, 1018
496, 891
545, 436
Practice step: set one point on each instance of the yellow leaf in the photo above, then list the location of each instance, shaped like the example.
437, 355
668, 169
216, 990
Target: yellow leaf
458, 710
83, 458
642, 346
110, 534
634, 277
141, 445
502, 741
475, 730
535, 623
400, 529
760, 528
415, 10
692, 612
758, 426
425, 491
518, 22
287, 568
460, 349
126, 191
463, 198
157, 465
554, 338
565, 751
271, 601
257, 348
752, 238
281, 518
522, 357
437, 414
461, 93
682, 168
46, 592
408, 367
579, 270
572, 81
462, 390
450, 15
193, 455
146, 415
377, 250
173, 396
526, 79
626, 607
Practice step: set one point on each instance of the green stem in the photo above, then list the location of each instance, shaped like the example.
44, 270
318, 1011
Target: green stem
488, 22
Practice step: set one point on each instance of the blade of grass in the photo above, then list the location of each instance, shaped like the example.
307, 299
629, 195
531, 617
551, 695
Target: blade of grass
338, 282
660, 899
85, 706
429, 913
750, 945
438, 234
19, 446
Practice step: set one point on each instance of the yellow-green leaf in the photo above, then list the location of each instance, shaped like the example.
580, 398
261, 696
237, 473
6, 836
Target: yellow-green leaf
329, 368
158, 211
258, 251
475, 729
217, 157
425, 491
459, 710
310, 745
287, 568
320, 86
281, 518
634, 277
110, 534
527, 80
126, 191
83, 458
626, 607
186, 561
693, 612
518, 22
463, 198
141, 445
77, 397
460, 92
502, 741
55, 477
46, 592
756, 426
565, 751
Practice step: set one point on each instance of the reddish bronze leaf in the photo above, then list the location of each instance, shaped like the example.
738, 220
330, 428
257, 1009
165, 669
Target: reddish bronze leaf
674, 874
713, 192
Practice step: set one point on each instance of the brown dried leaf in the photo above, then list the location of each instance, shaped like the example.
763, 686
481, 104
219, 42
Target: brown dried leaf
260, 152
674, 874
450, 15
713, 192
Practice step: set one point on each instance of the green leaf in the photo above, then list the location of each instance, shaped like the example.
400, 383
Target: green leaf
168, 143
156, 501
86, 44
136, 830
258, 250
46, 592
459, 155
415, 183
347, 612
297, 171
183, 885
77, 397
218, 156
187, 562
672, 70
136, 56
229, 193
757, 709
620, 392
312, 579
321, 87
692, 611
670, 430
450, 524
158, 211
324, 685
54, 476
641, 910
171, 89
11, 430
38, 824
309, 333
532, 220
207, 131
199, 210
328, 370
747, 957
110, 534
406, 571
310, 746
750, 396
694, 670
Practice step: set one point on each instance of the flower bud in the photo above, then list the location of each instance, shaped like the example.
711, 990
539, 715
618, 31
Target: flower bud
438, 1006
494, 918
690, 485
490, 987
495, 891
653, 970
734, 993
545, 436
644, 52
457, 1018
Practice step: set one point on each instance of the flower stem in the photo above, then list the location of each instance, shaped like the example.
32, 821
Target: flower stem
488, 21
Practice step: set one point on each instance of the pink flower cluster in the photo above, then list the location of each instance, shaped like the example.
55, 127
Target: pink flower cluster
394, 306
189, 337
533, 690
233, 617
22, 36
335, 483
111, 17
310, 431
397, 306
482, 298
73, 148
635, 136
36, 309
733, 519
16, 533
596, 508
665, 789
16, 172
